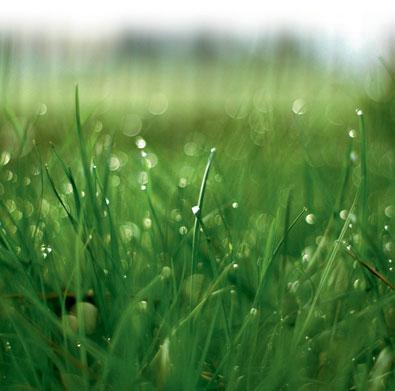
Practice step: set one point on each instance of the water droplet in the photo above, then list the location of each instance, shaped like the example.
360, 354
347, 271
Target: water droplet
98, 127
150, 160
5, 158
143, 177
388, 246
147, 223
191, 149
353, 156
253, 311
343, 214
132, 125
42, 109
195, 209
235, 266
141, 143
107, 201
7, 346
45, 250
142, 305
67, 188
386, 227
114, 163
299, 106
183, 230
352, 133
235, 205
359, 112
389, 211
115, 181
129, 231
182, 183
166, 272
310, 219
158, 104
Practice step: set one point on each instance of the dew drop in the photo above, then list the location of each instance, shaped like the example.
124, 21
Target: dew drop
310, 219
5, 158
42, 109
114, 163
141, 143
352, 133
182, 183
183, 230
343, 214
143, 305
158, 104
389, 211
147, 223
299, 106
166, 272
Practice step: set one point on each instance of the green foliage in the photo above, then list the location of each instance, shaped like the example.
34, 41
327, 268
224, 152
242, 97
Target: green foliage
283, 280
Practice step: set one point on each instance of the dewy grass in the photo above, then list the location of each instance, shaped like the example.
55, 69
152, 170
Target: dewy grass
106, 283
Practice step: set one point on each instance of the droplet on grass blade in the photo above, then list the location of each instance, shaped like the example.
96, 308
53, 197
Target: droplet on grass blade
166, 272
183, 230
352, 133
158, 104
42, 109
389, 211
5, 158
299, 106
147, 223
114, 163
142, 305
310, 219
359, 112
132, 126
140, 143
343, 214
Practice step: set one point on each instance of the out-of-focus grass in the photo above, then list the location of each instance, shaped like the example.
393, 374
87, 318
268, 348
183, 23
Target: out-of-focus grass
270, 296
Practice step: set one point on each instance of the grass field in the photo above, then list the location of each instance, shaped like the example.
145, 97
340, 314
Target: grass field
239, 237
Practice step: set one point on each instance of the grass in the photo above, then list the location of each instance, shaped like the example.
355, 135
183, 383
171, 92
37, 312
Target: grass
283, 280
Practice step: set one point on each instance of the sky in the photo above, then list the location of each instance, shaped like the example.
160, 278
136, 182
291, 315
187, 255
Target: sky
357, 22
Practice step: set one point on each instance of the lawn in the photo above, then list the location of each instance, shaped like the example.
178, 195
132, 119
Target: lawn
195, 236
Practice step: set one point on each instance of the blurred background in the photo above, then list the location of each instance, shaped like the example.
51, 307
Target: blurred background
163, 55
280, 77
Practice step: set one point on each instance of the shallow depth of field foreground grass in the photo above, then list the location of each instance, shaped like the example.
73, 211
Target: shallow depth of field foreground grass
243, 251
